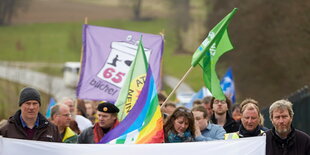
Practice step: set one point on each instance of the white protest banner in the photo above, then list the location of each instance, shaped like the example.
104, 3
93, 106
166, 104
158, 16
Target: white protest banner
244, 146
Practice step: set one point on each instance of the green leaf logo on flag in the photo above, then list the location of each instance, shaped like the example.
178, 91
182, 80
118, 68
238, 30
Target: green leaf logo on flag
207, 54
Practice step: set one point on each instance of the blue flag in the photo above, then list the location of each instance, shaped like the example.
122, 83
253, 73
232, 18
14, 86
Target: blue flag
203, 92
48, 110
228, 86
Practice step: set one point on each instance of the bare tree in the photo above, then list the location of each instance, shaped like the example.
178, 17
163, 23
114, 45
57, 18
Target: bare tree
136, 6
9, 8
271, 40
180, 20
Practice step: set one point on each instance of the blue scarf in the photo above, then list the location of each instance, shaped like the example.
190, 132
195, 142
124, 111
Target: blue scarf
177, 138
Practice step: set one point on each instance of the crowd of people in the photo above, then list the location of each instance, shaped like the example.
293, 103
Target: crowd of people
86, 122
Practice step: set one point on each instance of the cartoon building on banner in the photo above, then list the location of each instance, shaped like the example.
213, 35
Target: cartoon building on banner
107, 56
118, 63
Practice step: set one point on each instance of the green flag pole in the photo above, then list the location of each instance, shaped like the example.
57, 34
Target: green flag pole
217, 34
177, 86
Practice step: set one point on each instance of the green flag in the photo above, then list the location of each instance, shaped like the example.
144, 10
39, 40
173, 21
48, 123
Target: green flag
208, 53
133, 83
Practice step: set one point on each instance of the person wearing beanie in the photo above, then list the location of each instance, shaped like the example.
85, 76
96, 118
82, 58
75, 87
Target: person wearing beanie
28, 94
107, 120
28, 122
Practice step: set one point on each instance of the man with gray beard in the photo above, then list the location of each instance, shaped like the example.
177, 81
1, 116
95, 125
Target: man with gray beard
284, 139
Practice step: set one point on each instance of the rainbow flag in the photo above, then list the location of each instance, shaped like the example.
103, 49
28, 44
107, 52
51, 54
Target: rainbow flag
144, 123
133, 83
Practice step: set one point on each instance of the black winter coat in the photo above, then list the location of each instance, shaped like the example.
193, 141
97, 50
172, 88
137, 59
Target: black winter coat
46, 131
297, 143
230, 126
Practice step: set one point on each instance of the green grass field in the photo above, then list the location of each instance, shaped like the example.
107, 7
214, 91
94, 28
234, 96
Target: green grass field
9, 101
60, 42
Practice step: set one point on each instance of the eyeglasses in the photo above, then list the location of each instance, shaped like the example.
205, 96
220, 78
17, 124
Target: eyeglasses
184, 110
66, 115
219, 101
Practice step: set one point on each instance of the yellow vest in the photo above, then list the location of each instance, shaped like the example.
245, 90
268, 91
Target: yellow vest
69, 133
235, 135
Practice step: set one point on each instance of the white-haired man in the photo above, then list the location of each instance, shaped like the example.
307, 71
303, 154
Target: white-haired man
61, 117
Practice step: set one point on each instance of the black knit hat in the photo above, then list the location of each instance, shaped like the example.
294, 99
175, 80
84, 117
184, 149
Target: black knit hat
107, 107
27, 94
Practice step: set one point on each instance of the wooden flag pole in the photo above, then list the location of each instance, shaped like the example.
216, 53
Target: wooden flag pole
86, 20
162, 34
81, 58
177, 86
82, 48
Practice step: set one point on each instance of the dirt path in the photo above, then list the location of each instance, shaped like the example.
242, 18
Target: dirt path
42, 11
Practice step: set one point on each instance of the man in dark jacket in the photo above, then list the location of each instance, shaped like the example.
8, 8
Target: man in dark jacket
61, 117
283, 139
28, 123
107, 120
250, 119
221, 115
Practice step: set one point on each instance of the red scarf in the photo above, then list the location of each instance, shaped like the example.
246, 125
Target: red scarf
98, 133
